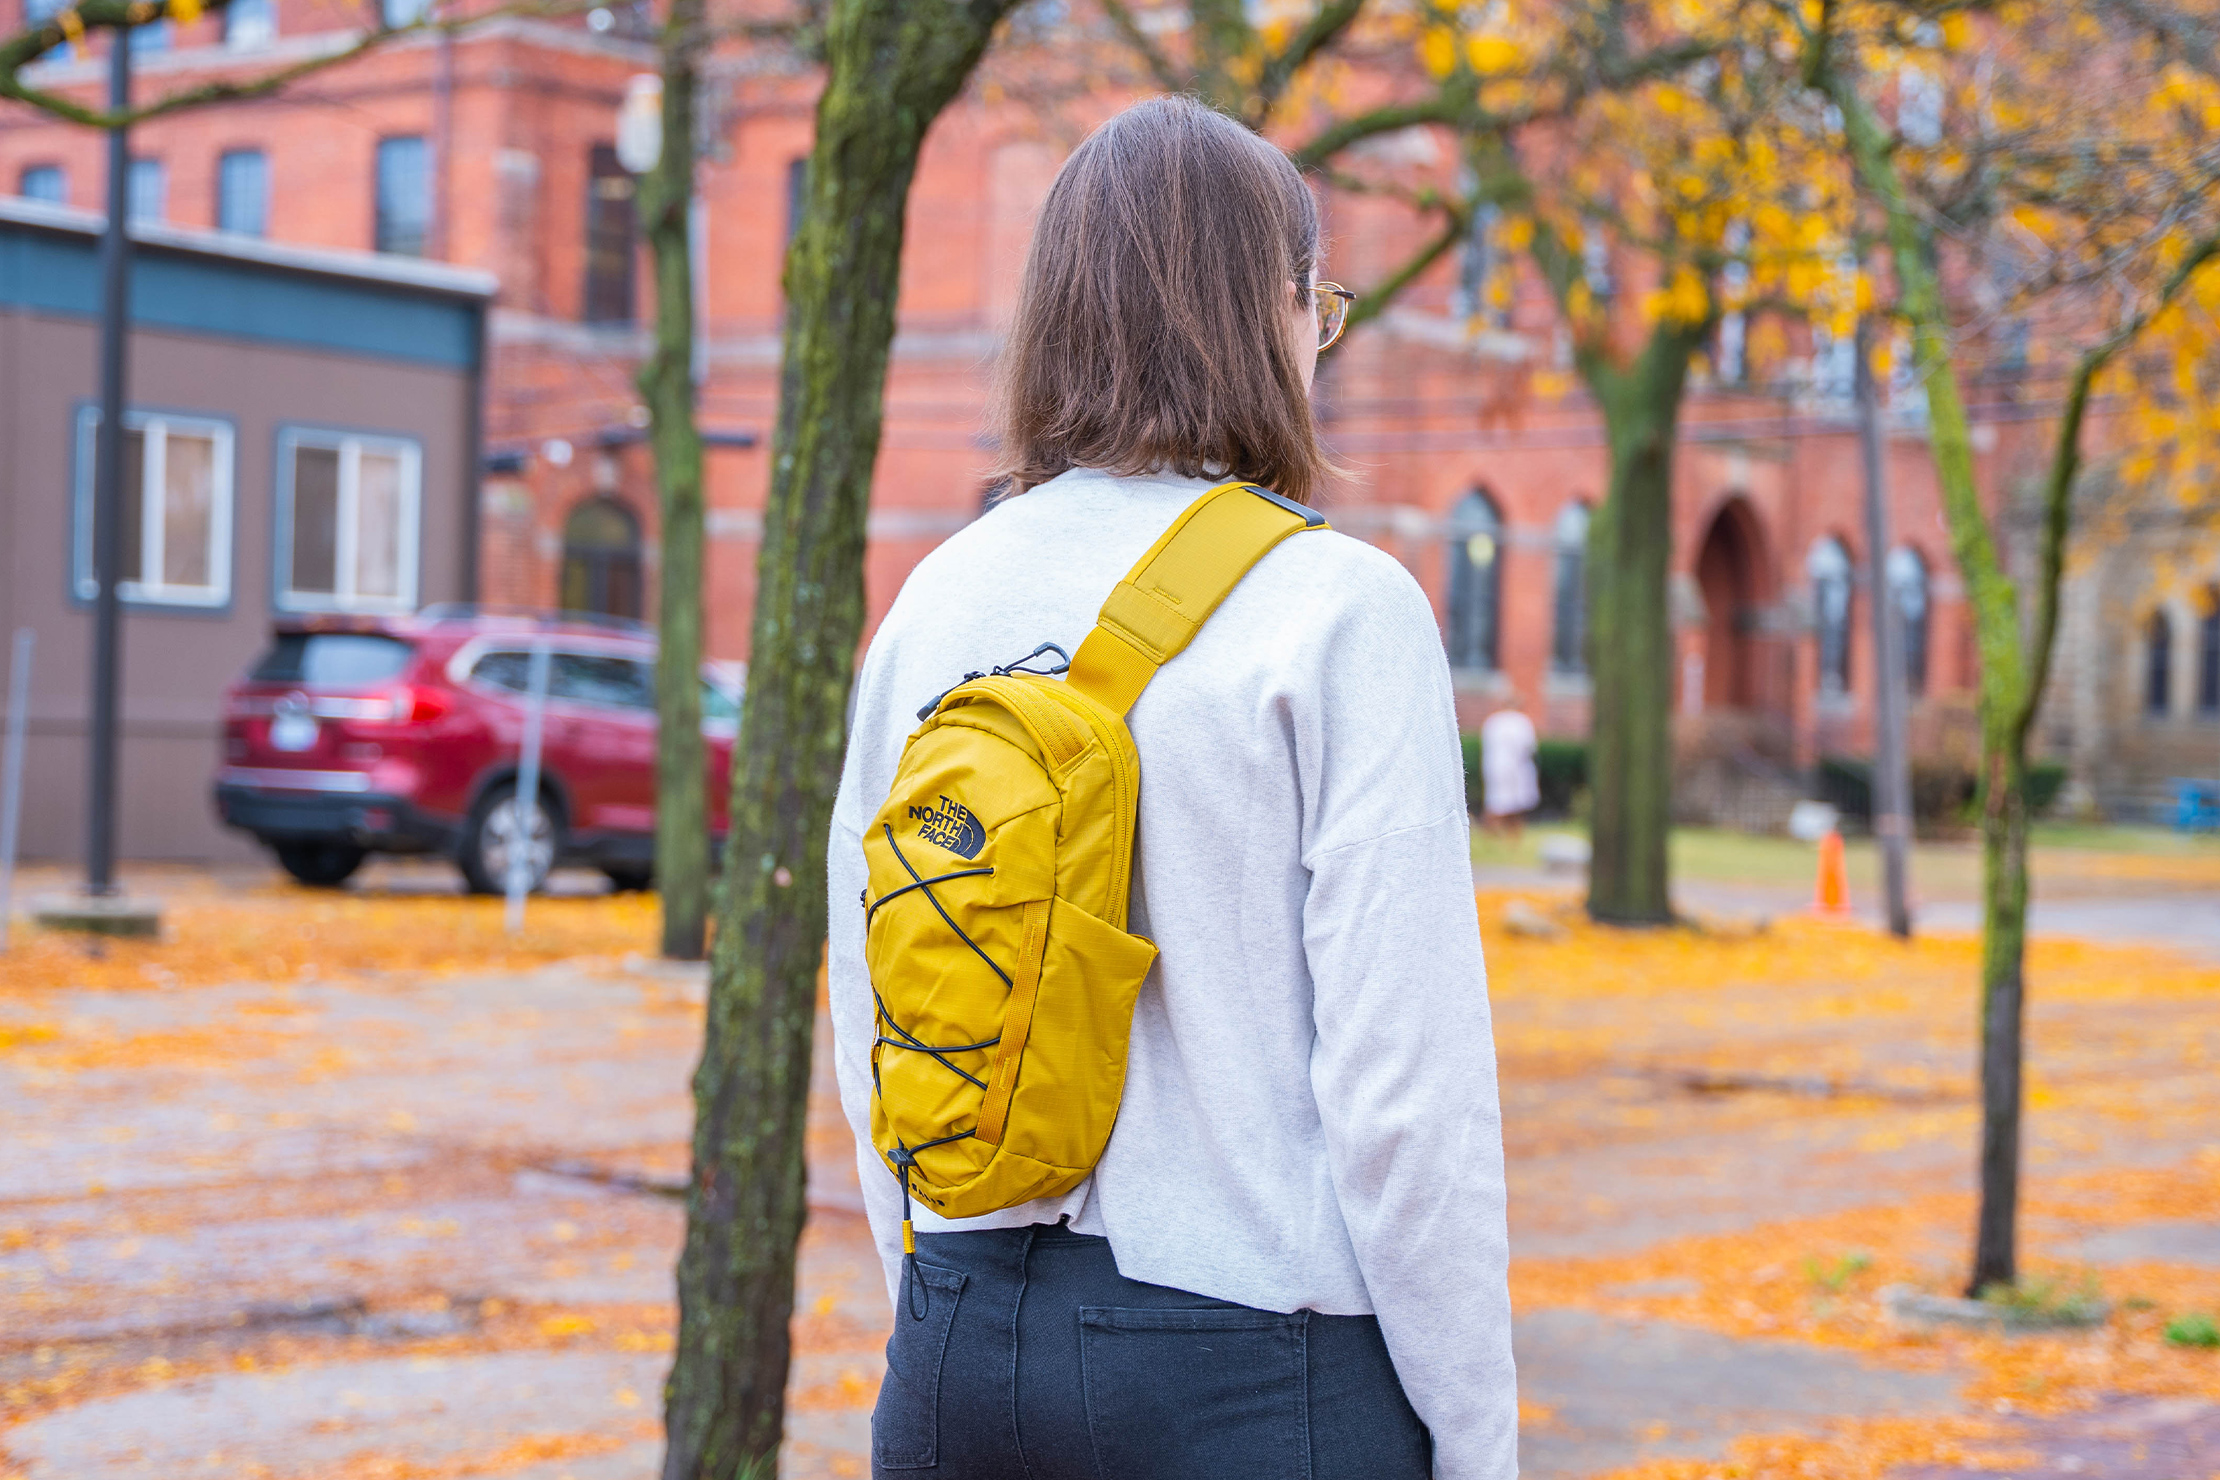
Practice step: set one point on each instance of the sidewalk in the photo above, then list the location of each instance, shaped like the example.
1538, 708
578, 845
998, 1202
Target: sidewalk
2079, 894
410, 1226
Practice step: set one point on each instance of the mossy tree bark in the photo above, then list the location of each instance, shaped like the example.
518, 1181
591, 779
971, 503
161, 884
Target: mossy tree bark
2005, 699
2015, 643
891, 67
667, 387
1630, 632
1629, 641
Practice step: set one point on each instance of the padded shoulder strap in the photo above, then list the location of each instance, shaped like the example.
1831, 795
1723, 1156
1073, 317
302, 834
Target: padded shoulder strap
1167, 596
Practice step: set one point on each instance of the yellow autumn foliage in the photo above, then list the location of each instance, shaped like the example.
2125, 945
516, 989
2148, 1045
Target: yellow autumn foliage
1493, 54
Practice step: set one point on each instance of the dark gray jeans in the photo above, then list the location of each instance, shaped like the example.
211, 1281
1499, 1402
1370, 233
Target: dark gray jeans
1022, 1354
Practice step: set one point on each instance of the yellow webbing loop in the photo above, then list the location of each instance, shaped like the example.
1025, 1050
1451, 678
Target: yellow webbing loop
1017, 1026
1172, 590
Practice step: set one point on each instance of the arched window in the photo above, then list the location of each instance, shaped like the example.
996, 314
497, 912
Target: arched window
1908, 585
1829, 568
1568, 641
601, 559
2158, 663
1475, 591
2208, 652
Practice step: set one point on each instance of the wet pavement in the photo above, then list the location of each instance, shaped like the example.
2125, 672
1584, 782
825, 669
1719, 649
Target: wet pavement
420, 1226
2125, 1439
378, 1191
1614, 1391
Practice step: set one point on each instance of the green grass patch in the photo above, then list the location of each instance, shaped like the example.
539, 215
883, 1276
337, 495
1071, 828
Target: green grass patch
1831, 1276
2195, 1329
2091, 837
2049, 1302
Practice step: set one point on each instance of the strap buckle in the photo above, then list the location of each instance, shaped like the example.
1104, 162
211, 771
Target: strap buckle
1311, 518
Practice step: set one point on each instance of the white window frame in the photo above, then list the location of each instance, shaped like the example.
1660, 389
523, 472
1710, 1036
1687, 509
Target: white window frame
350, 446
155, 427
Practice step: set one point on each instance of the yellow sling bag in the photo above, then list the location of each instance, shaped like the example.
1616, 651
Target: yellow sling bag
995, 915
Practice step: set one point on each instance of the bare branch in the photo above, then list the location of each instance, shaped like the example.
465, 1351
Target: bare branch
255, 87
122, 16
1456, 225
1457, 102
2186, 36
1445, 107
1160, 66
2065, 465
1322, 30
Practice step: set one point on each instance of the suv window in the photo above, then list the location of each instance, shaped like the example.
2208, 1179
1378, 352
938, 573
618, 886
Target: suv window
602, 678
332, 659
594, 678
503, 670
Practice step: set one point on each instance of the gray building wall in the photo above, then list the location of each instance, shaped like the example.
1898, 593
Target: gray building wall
2136, 552
292, 368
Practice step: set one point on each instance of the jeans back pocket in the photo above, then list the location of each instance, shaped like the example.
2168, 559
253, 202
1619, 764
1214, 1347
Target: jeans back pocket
1196, 1394
905, 1426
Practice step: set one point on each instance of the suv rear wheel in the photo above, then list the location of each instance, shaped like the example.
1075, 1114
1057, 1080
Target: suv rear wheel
497, 826
322, 865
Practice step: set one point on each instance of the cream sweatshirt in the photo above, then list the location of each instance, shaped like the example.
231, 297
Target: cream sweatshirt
1310, 1114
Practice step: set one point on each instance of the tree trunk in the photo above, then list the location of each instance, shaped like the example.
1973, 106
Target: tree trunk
1630, 633
667, 386
891, 67
2003, 952
2014, 669
2007, 695
2006, 702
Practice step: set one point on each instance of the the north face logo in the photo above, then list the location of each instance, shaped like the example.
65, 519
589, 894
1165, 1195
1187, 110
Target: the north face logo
950, 826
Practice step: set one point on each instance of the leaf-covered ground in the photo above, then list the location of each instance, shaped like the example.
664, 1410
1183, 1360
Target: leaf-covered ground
354, 1185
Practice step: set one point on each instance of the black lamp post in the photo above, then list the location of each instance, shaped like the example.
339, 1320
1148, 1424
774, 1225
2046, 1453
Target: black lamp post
107, 520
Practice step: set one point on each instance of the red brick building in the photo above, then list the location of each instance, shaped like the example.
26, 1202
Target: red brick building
494, 151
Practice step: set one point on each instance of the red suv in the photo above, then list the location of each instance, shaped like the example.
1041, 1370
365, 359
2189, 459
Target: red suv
354, 736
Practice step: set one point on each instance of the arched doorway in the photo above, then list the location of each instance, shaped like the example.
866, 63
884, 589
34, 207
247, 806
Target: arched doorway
1729, 573
601, 559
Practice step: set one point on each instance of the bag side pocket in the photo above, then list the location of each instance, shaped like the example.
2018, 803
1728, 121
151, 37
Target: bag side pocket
905, 1426
1196, 1394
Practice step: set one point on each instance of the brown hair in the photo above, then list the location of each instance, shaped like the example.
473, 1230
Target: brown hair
1151, 329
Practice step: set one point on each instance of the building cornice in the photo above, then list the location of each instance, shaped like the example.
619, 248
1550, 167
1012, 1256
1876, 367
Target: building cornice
289, 51
370, 267
760, 351
286, 51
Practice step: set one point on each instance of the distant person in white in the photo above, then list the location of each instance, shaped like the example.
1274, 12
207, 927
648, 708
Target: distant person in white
1507, 745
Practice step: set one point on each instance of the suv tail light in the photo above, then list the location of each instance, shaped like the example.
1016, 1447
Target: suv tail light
406, 704
419, 705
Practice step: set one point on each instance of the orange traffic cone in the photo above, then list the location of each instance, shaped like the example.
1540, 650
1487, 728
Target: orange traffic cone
1832, 897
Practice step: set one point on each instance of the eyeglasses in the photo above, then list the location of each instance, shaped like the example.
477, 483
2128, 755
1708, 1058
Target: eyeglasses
1331, 300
